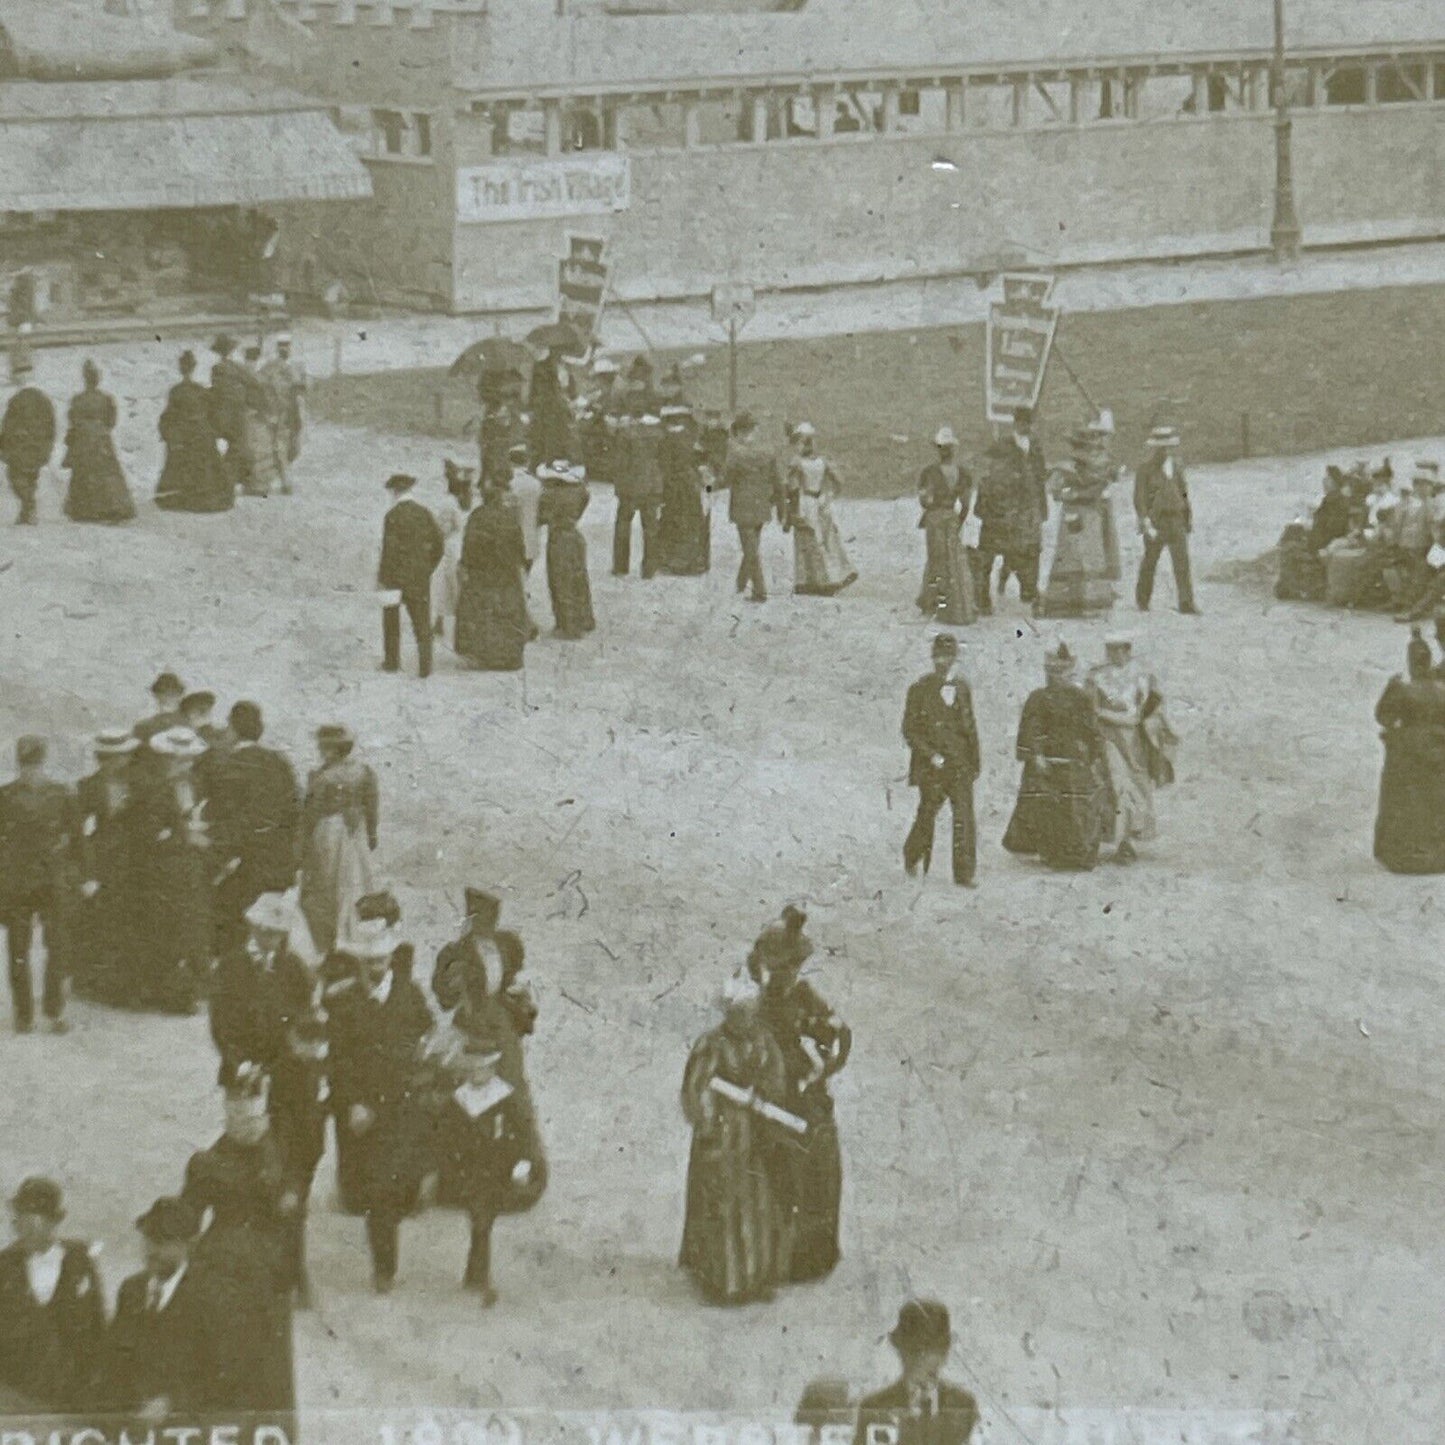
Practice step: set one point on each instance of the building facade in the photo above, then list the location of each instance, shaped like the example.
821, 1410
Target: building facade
845, 142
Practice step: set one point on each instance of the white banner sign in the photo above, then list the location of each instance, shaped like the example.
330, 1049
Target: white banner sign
533, 190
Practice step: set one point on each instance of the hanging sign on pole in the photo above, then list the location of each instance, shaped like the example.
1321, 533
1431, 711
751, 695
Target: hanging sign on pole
1020, 334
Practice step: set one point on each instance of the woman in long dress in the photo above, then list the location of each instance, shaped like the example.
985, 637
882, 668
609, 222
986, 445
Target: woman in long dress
97, 492
490, 1148
820, 565
564, 500
733, 1237
451, 517
1410, 823
338, 836
194, 477
815, 1044
945, 493
172, 876
1085, 565
1065, 807
492, 622
261, 431
1124, 696
684, 531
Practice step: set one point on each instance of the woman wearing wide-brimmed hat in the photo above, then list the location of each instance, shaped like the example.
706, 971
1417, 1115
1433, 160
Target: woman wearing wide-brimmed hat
815, 1044
338, 835
172, 878
734, 1231
488, 1145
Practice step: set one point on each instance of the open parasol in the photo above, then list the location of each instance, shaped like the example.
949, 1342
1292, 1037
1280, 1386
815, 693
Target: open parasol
558, 336
493, 353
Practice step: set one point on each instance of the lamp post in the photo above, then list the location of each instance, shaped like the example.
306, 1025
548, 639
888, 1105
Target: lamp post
1284, 233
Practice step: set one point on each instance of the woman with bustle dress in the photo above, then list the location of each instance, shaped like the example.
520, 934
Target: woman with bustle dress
489, 1154
815, 1044
194, 478
820, 565
1065, 806
684, 529
97, 492
1137, 742
734, 1237
1410, 823
338, 834
945, 493
1085, 564
564, 499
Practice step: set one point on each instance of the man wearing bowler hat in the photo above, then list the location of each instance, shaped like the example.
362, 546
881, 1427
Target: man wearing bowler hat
920, 1408
754, 480
411, 550
1012, 505
52, 1311
942, 738
158, 1355
1161, 503
168, 691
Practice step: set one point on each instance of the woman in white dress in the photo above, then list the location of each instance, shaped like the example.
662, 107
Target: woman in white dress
338, 837
451, 517
821, 566
1125, 695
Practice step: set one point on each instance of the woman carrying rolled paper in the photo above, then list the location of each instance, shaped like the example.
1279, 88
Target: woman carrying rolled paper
734, 1094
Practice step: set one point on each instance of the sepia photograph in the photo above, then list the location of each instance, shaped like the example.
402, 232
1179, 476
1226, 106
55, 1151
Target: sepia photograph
722, 722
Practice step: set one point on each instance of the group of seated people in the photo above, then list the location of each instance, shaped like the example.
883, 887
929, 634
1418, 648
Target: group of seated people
1369, 544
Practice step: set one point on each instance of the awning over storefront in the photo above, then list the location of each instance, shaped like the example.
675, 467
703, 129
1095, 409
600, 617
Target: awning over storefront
166, 147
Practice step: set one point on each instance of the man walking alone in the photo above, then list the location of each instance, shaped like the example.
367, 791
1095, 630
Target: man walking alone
755, 481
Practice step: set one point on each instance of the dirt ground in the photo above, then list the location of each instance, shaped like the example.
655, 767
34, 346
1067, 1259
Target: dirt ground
1167, 1138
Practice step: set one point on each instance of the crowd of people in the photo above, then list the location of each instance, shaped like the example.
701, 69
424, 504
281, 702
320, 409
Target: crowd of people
239, 435
1368, 544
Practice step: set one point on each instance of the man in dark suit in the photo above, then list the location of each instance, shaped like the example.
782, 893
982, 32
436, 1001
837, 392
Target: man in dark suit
1161, 502
52, 1311
27, 439
920, 1408
233, 390
411, 548
375, 1029
41, 861
755, 483
158, 1355
1013, 506
254, 806
639, 484
942, 738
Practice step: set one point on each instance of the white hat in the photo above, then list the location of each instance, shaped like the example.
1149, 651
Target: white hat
1163, 436
177, 742
271, 913
805, 429
945, 437
650, 420
604, 366
370, 939
115, 742
283, 338
1103, 423
1118, 639
575, 473
670, 411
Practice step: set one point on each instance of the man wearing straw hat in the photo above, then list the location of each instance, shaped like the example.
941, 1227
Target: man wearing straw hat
1161, 503
375, 1030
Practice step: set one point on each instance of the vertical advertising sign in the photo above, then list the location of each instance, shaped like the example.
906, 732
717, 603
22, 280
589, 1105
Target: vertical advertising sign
1020, 334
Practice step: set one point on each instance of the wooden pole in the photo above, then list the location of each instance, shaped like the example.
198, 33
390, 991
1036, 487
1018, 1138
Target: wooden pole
733, 366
